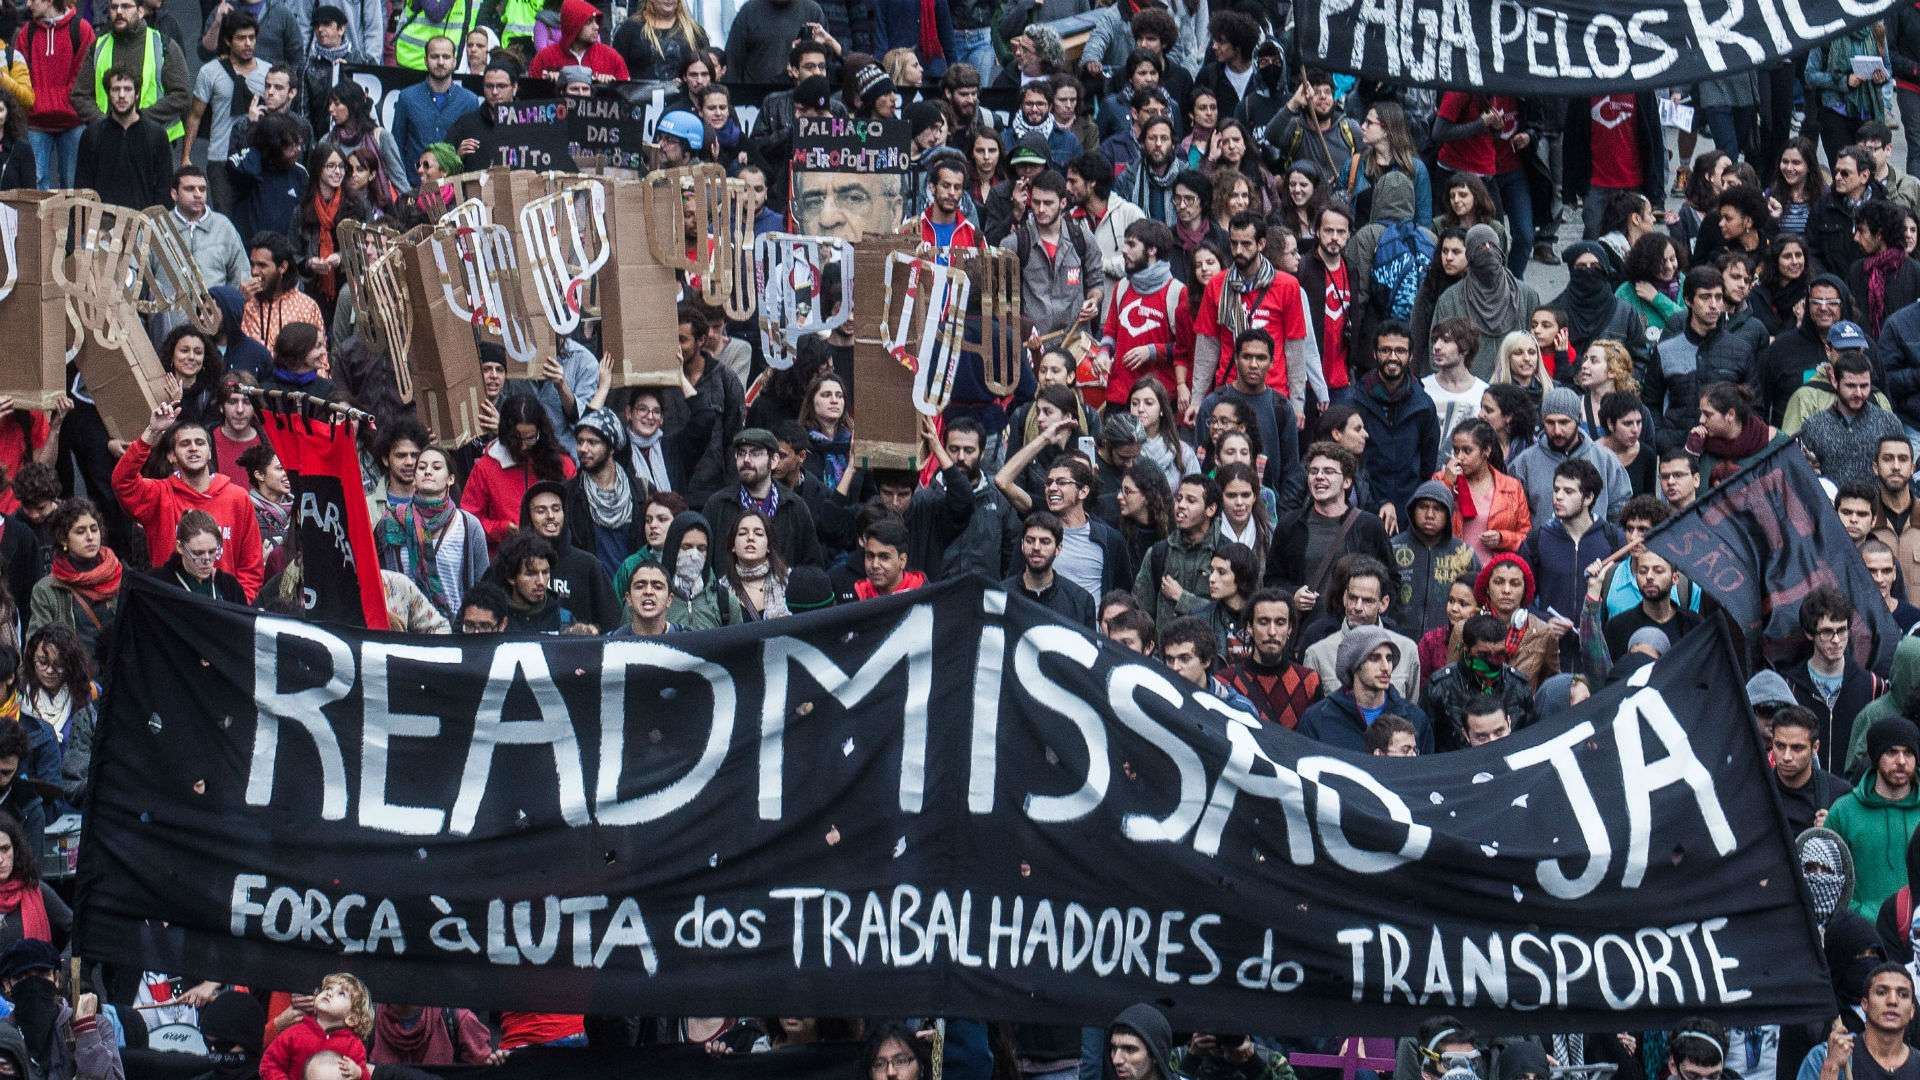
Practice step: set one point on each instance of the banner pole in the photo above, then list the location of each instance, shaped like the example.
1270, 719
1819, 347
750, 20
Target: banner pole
940, 1048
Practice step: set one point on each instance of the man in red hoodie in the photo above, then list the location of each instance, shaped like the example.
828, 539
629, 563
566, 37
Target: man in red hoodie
194, 485
56, 40
579, 44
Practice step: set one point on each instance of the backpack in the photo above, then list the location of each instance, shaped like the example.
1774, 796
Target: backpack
1400, 260
1076, 234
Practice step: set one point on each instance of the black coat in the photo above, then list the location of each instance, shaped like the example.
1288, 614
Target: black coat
130, 166
580, 513
1830, 231
1286, 560
793, 534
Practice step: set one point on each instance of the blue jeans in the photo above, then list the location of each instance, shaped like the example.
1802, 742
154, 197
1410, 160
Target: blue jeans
1516, 198
55, 157
976, 47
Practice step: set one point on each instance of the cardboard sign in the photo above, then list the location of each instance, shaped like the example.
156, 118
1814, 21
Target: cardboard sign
850, 177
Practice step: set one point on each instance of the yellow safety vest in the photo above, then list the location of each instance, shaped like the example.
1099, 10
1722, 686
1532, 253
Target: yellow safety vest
149, 79
410, 43
518, 18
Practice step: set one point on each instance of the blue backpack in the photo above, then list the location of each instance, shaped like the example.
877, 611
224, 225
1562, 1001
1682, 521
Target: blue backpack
1400, 261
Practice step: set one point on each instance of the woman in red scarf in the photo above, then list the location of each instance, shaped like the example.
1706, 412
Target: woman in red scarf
1730, 434
1490, 509
83, 591
29, 908
328, 202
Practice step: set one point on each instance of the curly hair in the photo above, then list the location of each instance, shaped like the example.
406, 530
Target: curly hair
1645, 256
359, 1002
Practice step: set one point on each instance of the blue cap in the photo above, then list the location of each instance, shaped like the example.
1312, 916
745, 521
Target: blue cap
1848, 335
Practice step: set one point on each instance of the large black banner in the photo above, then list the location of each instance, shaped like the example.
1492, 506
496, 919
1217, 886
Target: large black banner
936, 803
1564, 48
1761, 541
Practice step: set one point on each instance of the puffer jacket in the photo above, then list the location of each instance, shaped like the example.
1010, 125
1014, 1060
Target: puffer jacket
1403, 437
957, 527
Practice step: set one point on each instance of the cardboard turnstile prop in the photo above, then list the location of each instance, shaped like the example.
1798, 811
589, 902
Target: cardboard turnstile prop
115, 264
789, 279
564, 245
442, 354
893, 321
33, 309
483, 285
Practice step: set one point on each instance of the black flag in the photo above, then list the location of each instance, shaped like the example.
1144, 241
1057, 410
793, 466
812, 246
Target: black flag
1567, 48
1765, 538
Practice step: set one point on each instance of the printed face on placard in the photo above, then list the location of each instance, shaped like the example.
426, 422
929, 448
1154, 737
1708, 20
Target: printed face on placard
847, 205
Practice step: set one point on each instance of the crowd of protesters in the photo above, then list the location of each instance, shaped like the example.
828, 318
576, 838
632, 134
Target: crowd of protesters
1293, 420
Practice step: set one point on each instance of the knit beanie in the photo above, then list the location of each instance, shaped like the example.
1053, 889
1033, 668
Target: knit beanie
1561, 402
1889, 732
1767, 687
1356, 647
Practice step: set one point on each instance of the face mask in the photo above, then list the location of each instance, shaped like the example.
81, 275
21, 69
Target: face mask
1826, 883
689, 563
1485, 669
233, 1066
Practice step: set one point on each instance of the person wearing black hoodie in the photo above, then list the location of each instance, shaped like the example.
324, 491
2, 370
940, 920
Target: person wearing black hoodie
1137, 1044
1593, 311
578, 581
1790, 362
233, 1026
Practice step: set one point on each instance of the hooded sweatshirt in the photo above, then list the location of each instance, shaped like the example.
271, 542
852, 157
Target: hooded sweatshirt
1903, 701
707, 607
1876, 830
54, 53
600, 56
158, 505
1151, 1025
1427, 570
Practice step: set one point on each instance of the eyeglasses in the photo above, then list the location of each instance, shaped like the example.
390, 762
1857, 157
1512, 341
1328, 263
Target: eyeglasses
475, 626
1831, 633
202, 556
1818, 302
46, 664
647, 410
898, 1062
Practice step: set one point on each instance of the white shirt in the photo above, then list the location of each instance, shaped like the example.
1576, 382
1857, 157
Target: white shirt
1453, 408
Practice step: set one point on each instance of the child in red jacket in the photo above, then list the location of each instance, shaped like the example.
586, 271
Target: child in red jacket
341, 1021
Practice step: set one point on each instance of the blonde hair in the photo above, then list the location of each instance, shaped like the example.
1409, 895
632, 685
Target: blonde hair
683, 25
894, 62
359, 1002
1619, 364
1503, 369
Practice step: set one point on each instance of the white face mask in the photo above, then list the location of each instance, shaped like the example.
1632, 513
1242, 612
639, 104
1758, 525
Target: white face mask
689, 563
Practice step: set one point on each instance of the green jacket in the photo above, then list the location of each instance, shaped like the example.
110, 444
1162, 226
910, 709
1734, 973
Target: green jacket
1263, 1065
1187, 564
1906, 683
1876, 831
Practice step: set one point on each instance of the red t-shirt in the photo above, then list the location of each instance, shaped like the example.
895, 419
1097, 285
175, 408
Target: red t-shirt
18, 441
1277, 311
1482, 154
1333, 346
226, 455
1162, 319
1616, 148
